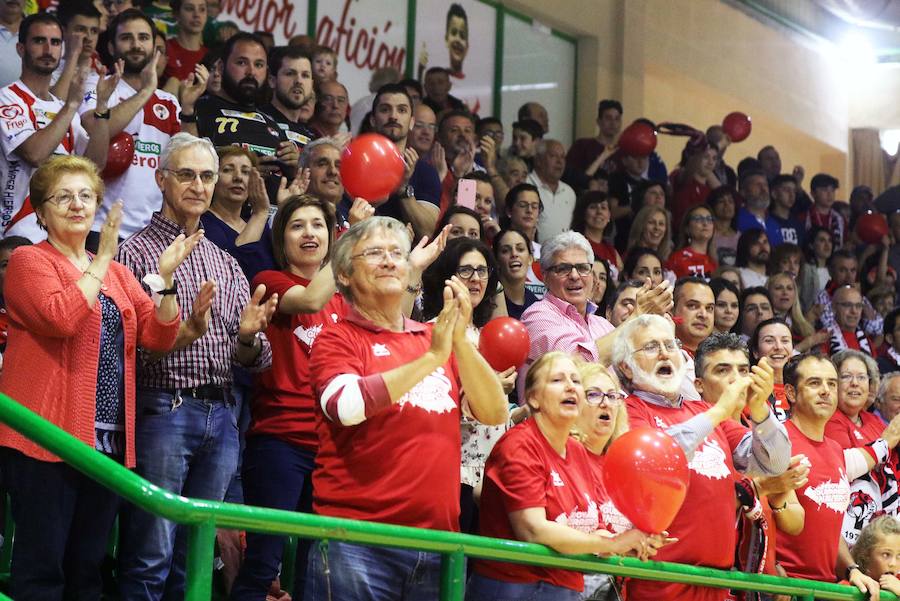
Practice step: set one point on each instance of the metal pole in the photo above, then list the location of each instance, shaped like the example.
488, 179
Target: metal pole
200, 543
453, 576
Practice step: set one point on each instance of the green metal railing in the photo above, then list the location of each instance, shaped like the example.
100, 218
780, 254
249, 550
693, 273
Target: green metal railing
203, 517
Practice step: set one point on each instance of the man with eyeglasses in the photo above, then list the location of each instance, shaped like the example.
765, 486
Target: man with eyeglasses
819, 552
647, 358
843, 270
35, 124
565, 318
332, 102
186, 432
845, 332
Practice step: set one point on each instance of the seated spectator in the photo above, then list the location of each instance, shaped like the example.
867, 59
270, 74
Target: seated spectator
877, 552
756, 306
732, 274
423, 132
463, 222
694, 256
788, 258
651, 228
591, 218
755, 213
322, 158
522, 501
75, 320
437, 85
239, 183
456, 136
694, 314
727, 305
649, 364
694, 179
513, 170
845, 332
753, 257
649, 193
887, 400
471, 261
556, 195
512, 251
843, 270
822, 213
602, 289
525, 136
889, 360
643, 264
389, 391
492, 127
784, 195
281, 443
786, 305
381, 76
485, 203
186, 48
622, 300
772, 339
722, 203
332, 101
523, 209
882, 299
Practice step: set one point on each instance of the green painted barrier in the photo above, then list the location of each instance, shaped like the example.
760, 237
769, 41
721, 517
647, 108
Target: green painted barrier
203, 517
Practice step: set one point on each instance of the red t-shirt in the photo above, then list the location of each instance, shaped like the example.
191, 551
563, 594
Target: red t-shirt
605, 250
813, 553
181, 60
705, 524
611, 519
688, 194
525, 472
283, 403
686, 262
848, 435
400, 465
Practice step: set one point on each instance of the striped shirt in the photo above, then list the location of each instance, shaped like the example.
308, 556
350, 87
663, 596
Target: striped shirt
208, 360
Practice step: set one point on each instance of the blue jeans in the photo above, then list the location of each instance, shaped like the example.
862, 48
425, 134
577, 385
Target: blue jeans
346, 572
242, 396
190, 449
274, 475
63, 519
482, 588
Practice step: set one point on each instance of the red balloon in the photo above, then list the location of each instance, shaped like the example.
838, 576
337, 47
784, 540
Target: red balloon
504, 343
371, 167
638, 139
646, 474
737, 126
120, 155
871, 228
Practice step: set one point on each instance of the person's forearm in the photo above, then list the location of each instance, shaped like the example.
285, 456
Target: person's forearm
98, 142
564, 539
168, 307
313, 297
91, 280
766, 451
246, 354
254, 229
121, 114
844, 559
41, 144
792, 518
484, 391
422, 215
171, 86
402, 379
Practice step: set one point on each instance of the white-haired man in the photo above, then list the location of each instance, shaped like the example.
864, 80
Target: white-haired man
647, 358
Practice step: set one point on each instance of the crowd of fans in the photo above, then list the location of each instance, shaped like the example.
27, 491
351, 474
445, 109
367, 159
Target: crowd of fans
220, 316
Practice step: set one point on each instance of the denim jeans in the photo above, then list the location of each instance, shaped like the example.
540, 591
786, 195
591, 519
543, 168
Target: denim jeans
274, 475
63, 519
242, 396
346, 572
482, 588
190, 449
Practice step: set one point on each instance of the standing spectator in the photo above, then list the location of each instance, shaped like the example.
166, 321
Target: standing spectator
11, 15
784, 195
81, 25
755, 213
456, 136
769, 162
75, 322
594, 152
389, 392
694, 179
437, 86
877, 551
414, 89
7, 246
722, 203
186, 434
788, 258
512, 250
889, 361
694, 311
786, 305
724, 173
186, 48
423, 133
557, 196
282, 442
843, 269
332, 101
772, 339
643, 264
324, 64
694, 256
753, 257
322, 157
819, 246
290, 77
525, 136
42, 124
822, 214
627, 178
536, 112
360, 110
845, 331
150, 116
622, 301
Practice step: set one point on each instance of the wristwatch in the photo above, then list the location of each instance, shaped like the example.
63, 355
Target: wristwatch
157, 287
103, 115
409, 192
850, 568
250, 344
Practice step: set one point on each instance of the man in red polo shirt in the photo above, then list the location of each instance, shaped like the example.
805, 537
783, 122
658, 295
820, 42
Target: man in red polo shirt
648, 361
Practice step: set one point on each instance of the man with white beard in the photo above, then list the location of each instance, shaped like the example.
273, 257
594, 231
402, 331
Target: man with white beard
647, 358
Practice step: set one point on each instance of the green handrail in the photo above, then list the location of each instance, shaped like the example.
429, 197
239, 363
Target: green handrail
203, 517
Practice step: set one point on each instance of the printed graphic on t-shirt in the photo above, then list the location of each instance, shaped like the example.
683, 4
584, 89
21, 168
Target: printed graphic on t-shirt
431, 394
709, 461
613, 519
833, 495
583, 521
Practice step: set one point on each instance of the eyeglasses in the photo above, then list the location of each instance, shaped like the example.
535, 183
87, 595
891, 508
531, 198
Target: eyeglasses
703, 219
858, 378
428, 126
374, 256
528, 206
845, 305
651, 349
64, 199
596, 397
335, 100
188, 176
466, 272
564, 269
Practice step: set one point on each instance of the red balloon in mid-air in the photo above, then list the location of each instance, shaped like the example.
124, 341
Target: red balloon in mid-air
371, 167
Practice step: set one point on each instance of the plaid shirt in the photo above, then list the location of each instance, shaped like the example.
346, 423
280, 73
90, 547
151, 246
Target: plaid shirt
208, 359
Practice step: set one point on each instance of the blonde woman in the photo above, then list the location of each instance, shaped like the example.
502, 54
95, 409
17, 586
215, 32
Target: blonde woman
786, 304
652, 228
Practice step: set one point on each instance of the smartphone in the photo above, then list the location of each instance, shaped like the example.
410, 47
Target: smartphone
465, 193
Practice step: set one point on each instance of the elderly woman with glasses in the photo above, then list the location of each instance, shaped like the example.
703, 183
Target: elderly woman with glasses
390, 401
75, 321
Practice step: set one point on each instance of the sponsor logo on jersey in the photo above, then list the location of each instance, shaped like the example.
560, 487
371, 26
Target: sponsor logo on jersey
307, 335
554, 477
298, 138
11, 111
260, 150
147, 147
239, 115
380, 350
161, 111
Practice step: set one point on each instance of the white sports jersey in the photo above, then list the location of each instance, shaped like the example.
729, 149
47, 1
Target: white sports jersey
151, 129
21, 114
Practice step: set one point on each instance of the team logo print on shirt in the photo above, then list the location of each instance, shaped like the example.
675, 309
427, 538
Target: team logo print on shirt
11, 111
660, 423
307, 335
380, 350
833, 495
857, 435
584, 521
709, 461
431, 394
242, 115
613, 519
161, 111
554, 477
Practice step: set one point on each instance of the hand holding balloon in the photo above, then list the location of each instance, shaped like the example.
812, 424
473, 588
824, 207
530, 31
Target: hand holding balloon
504, 343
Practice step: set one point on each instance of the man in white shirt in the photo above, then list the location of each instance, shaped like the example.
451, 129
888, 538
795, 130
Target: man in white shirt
557, 196
11, 15
35, 124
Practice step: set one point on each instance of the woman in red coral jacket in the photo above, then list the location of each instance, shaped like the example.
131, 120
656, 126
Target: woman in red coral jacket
76, 321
